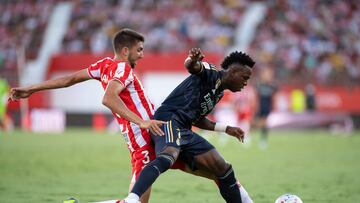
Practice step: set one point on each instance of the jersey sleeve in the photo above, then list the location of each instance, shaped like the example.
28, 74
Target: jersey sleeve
94, 70
209, 73
124, 74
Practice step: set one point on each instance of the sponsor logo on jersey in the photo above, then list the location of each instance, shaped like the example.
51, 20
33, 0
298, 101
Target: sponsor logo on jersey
104, 79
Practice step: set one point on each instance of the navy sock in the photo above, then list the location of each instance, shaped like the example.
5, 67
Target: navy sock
228, 187
151, 172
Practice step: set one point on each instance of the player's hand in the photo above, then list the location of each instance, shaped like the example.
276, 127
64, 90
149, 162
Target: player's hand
19, 93
153, 126
196, 55
235, 132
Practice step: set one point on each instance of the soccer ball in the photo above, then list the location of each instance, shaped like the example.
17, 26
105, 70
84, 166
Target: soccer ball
288, 198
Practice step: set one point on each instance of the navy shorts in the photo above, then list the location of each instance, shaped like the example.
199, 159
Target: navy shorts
178, 136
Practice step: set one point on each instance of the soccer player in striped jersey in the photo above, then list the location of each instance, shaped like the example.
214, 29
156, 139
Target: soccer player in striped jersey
124, 96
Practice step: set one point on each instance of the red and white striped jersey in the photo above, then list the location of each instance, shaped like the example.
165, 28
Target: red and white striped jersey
133, 96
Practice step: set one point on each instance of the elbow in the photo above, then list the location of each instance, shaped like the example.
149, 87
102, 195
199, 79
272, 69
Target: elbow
190, 69
193, 70
193, 67
106, 101
187, 64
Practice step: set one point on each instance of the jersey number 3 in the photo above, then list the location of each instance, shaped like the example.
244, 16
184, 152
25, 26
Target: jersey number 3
146, 159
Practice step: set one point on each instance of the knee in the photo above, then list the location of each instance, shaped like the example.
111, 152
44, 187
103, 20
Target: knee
170, 154
170, 151
162, 163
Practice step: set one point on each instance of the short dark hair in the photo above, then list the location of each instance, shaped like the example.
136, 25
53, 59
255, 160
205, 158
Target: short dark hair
237, 57
126, 38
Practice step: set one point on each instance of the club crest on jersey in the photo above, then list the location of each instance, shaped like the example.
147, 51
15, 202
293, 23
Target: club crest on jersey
179, 137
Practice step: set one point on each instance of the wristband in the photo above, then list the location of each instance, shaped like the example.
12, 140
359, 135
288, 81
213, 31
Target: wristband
220, 127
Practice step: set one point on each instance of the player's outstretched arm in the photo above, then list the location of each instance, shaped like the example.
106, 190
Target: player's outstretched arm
65, 81
112, 100
193, 61
207, 124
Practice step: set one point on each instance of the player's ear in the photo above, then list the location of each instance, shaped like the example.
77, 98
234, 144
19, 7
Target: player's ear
125, 51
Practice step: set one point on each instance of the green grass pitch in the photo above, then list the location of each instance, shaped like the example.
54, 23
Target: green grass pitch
313, 164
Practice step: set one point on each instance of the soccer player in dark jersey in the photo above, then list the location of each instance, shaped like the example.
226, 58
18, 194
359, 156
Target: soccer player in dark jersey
188, 105
266, 90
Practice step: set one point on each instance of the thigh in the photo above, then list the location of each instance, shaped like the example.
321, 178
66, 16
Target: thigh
211, 162
200, 173
181, 165
193, 145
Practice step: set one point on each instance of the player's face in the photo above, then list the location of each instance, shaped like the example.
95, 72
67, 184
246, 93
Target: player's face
136, 53
238, 77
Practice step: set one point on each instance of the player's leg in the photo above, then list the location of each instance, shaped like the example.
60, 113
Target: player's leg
200, 154
212, 161
139, 158
2, 118
212, 165
179, 164
153, 170
167, 153
2, 125
146, 196
262, 115
263, 132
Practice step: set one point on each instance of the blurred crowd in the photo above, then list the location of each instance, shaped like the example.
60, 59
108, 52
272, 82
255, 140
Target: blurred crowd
310, 41
302, 41
22, 24
169, 26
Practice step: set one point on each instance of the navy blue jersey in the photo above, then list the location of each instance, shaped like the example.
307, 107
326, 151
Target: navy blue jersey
194, 98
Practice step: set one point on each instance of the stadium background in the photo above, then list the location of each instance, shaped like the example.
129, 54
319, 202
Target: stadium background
305, 43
